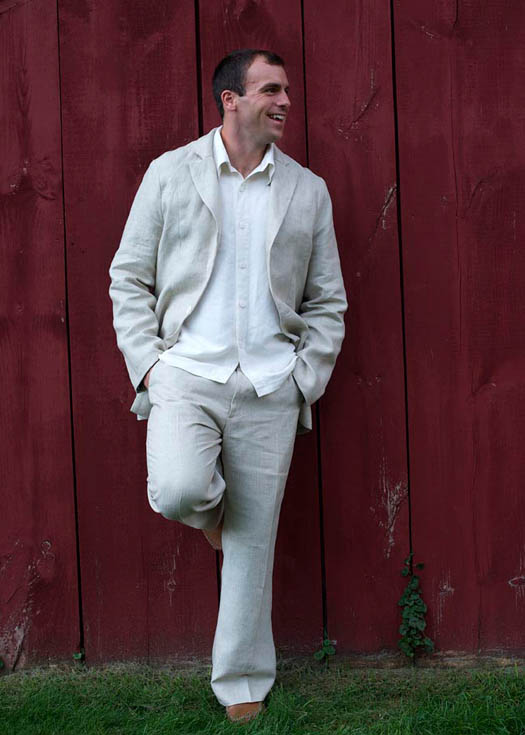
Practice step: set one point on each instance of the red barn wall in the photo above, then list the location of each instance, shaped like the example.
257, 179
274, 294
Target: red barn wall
413, 113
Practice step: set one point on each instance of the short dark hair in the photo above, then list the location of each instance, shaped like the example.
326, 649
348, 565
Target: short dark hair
230, 73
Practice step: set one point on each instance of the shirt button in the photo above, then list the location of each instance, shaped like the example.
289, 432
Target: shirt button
241, 187
242, 303
242, 225
242, 266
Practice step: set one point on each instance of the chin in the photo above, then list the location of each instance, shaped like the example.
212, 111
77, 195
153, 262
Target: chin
275, 136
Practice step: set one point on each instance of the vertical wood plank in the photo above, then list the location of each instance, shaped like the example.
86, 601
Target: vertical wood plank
225, 26
462, 167
129, 94
38, 564
351, 143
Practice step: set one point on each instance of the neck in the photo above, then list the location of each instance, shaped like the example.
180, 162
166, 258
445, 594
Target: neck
245, 154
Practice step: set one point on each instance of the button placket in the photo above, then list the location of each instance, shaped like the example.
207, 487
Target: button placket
241, 270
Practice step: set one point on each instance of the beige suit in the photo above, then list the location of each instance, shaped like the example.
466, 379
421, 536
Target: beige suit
167, 252
218, 451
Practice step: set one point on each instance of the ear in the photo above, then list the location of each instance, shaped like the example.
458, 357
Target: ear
229, 100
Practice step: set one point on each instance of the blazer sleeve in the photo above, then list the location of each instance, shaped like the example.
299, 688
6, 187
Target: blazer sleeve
323, 307
132, 273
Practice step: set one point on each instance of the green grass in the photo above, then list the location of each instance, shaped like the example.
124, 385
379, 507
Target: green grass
306, 698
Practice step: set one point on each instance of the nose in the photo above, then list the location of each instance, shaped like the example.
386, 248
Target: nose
284, 100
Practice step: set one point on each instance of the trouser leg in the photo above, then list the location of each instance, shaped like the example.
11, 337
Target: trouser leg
185, 481
257, 449
191, 420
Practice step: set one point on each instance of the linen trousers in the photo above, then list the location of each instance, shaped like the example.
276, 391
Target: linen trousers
217, 450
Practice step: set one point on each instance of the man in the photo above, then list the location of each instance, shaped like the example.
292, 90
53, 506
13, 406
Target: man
228, 308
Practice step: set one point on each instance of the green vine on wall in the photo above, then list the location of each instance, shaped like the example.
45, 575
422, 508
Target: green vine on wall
79, 656
327, 649
413, 614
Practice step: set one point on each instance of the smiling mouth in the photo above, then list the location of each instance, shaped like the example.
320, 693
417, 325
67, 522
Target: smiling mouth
277, 116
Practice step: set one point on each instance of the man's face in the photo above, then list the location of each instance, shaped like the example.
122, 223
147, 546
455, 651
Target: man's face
262, 110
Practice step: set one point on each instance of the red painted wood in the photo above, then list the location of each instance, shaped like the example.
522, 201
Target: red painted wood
351, 144
225, 26
462, 158
38, 574
129, 94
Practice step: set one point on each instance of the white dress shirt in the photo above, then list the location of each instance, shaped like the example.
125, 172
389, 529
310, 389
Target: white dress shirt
236, 321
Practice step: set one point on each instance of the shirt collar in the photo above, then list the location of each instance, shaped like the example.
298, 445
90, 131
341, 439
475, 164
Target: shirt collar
221, 157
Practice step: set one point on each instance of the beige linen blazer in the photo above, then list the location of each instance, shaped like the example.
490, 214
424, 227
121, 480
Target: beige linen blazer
167, 252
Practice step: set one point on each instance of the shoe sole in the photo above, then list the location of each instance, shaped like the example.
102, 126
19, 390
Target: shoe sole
248, 716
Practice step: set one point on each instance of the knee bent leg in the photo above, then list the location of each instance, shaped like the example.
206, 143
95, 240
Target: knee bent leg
177, 498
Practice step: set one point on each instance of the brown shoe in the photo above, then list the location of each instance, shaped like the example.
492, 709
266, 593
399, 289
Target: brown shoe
214, 536
243, 712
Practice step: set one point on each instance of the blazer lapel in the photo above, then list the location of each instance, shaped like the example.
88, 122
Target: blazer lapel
204, 174
282, 188
205, 179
